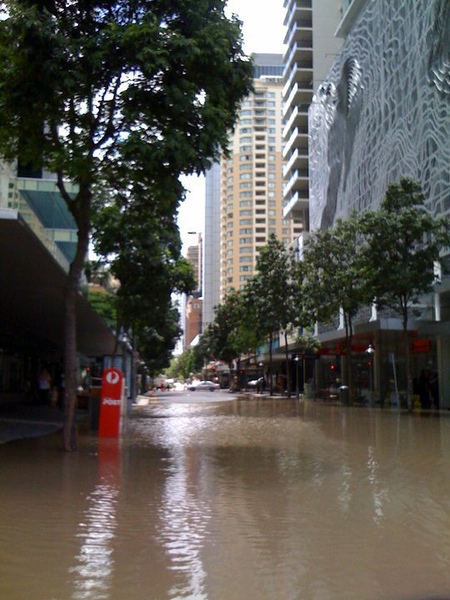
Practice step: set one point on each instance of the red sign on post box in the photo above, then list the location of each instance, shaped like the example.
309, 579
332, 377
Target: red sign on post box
111, 403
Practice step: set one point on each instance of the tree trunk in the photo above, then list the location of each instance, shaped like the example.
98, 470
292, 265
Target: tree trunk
409, 380
70, 365
288, 366
349, 379
80, 210
270, 364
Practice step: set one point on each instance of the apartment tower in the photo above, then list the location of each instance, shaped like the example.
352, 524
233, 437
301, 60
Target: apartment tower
311, 46
194, 302
251, 186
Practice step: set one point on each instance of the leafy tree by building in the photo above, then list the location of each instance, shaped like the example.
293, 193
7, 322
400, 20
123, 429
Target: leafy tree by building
124, 91
273, 296
336, 279
404, 246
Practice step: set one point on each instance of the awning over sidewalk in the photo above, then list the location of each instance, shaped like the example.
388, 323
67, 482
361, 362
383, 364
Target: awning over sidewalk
32, 291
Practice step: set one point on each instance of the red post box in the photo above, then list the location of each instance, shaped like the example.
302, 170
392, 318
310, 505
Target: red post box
111, 403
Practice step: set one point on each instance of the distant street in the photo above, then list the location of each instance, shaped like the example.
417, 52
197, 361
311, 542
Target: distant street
186, 396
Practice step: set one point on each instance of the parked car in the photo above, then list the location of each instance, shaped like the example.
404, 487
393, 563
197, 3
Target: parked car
203, 385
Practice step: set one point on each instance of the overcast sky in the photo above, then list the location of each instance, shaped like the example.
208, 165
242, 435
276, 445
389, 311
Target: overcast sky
263, 32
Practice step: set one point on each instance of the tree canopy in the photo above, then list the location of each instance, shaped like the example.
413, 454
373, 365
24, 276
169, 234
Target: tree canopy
404, 246
117, 96
274, 295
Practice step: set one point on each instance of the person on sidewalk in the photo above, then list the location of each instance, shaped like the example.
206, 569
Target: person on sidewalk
44, 387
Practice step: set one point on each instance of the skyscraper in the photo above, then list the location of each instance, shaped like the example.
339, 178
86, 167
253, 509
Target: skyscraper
251, 187
193, 306
311, 47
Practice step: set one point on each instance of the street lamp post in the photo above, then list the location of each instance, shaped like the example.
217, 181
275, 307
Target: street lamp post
370, 351
260, 385
297, 390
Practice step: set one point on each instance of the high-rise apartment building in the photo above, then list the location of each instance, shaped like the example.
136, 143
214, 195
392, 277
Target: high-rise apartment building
251, 186
311, 48
193, 302
211, 253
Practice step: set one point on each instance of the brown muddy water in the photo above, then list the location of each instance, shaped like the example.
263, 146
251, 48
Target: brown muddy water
232, 500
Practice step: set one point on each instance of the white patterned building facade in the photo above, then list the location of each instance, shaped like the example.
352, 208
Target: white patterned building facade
382, 113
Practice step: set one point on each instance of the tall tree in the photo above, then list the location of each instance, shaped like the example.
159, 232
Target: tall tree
108, 93
336, 279
273, 294
405, 243
141, 242
231, 333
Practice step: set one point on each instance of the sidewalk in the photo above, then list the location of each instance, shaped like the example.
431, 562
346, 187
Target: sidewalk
19, 422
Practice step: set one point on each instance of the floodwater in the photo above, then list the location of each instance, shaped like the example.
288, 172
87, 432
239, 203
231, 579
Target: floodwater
232, 500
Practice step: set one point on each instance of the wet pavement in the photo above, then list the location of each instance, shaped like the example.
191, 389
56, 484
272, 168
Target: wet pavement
217, 497
27, 421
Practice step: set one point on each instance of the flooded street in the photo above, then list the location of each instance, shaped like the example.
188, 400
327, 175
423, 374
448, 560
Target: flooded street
223, 499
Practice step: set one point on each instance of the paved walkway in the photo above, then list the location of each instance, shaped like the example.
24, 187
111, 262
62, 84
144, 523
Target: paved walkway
27, 421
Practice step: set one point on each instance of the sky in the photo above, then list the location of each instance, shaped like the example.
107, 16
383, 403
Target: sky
263, 32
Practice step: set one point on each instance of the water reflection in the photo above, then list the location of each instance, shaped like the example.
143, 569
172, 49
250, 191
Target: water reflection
233, 501
96, 532
95, 561
183, 524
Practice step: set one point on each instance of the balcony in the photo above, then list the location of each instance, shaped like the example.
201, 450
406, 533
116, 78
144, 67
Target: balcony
296, 207
297, 118
304, 77
298, 184
299, 163
297, 96
297, 10
296, 54
298, 140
